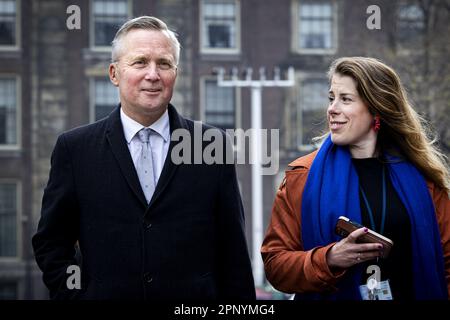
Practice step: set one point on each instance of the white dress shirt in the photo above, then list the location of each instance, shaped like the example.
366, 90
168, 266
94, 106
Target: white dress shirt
159, 141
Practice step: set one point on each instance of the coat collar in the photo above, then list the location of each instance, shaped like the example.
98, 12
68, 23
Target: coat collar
169, 168
118, 144
304, 161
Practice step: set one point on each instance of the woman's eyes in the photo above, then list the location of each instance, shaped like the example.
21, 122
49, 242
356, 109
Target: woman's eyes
344, 99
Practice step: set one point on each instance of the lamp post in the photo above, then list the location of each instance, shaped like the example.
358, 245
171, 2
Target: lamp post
256, 149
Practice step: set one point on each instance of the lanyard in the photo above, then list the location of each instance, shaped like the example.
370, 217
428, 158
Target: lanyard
369, 209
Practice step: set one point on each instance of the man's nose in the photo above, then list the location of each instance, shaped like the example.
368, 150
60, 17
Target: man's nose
152, 72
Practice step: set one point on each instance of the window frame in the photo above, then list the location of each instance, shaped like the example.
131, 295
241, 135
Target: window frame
92, 44
225, 51
18, 145
295, 36
402, 47
92, 98
19, 219
237, 107
302, 77
18, 38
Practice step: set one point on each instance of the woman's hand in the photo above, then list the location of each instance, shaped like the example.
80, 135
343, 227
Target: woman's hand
347, 252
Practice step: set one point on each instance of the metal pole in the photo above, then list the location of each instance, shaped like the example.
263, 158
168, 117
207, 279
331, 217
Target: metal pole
257, 190
256, 151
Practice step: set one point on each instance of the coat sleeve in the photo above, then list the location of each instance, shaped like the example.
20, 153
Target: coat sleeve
57, 233
288, 267
442, 207
235, 279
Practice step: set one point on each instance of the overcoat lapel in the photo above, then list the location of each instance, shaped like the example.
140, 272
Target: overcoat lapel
118, 144
169, 168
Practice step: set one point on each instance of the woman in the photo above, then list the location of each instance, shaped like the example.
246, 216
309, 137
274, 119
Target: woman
378, 168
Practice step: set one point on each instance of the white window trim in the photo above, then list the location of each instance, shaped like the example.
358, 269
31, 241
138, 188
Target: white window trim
92, 96
301, 77
225, 51
237, 113
295, 36
19, 221
18, 44
92, 45
18, 145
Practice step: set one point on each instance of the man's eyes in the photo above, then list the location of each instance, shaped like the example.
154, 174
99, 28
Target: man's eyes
163, 65
138, 62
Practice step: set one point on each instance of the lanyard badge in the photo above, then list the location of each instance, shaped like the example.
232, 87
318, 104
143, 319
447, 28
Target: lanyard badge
376, 290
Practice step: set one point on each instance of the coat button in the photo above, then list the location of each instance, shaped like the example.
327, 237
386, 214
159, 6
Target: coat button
147, 225
148, 277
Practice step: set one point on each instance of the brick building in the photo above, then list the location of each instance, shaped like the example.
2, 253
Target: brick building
53, 78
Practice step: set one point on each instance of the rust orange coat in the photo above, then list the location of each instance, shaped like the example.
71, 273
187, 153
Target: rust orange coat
290, 269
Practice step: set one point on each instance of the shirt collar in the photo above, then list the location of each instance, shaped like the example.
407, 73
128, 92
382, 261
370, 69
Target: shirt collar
131, 127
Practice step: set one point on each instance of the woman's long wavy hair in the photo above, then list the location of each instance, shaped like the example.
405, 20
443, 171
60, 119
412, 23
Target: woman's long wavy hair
403, 131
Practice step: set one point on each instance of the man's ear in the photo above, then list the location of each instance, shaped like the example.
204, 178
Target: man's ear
113, 74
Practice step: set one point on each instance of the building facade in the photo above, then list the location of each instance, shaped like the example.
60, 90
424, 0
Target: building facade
54, 76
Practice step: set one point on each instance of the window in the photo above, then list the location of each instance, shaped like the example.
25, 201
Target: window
8, 23
316, 27
8, 291
105, 97
220, 105
410, 25
220, 26
311, 111
8, 219
8, 111
107, 17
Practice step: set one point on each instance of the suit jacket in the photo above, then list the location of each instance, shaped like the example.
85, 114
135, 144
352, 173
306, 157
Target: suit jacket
289, 268
188, 243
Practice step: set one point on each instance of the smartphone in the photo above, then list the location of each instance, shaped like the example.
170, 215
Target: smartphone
345, 226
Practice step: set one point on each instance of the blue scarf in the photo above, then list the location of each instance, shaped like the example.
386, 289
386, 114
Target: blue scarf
332, 190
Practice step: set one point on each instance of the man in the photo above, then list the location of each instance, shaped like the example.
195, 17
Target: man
146, 227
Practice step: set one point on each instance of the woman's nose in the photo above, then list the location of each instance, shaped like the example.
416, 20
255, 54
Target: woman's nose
333, 107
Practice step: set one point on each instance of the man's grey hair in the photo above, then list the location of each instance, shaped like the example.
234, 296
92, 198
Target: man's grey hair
146, 23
